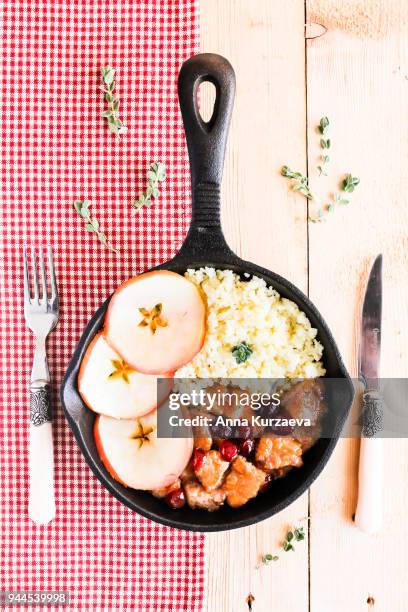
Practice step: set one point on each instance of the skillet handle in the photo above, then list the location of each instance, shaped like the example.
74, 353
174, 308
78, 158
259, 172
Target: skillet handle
206, 143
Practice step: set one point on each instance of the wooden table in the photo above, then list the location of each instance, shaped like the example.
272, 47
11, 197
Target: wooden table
357, 75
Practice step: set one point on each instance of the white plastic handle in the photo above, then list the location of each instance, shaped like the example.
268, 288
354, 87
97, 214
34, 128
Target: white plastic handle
41, 504
370, 486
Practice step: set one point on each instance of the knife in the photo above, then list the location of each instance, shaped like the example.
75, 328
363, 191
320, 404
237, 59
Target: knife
369, 505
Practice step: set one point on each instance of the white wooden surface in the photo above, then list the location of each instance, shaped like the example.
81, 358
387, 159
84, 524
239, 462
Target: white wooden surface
357, 74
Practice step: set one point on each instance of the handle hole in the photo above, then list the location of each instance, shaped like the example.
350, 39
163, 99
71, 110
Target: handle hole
206, 96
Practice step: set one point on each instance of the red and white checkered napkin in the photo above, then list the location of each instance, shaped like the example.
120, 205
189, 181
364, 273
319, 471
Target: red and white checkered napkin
56, 148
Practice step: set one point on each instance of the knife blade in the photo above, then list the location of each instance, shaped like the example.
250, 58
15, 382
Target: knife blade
370, 474
370, 341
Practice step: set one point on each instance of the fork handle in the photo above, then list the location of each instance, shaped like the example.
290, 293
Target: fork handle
41, 504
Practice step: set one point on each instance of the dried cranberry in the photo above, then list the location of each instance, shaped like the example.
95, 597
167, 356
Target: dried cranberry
198, 459
228, 450
247, 447
175, 499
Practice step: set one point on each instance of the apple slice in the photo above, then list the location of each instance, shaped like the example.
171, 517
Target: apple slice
110, 387
156, 321
134, 455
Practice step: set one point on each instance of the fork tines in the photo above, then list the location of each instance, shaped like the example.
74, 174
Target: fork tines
46, 297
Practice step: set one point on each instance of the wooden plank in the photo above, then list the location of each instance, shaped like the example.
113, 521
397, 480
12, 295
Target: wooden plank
263, 222
357, 75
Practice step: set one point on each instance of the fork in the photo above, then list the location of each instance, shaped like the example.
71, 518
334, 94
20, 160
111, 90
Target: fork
41, 312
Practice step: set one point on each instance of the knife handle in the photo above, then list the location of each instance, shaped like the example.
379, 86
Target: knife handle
370, 474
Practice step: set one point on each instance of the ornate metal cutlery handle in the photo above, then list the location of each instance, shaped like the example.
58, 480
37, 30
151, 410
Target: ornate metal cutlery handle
40, 404
372, 414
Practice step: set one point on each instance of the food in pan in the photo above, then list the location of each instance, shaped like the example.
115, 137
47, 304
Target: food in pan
233, 471
109, 386
156, 322
281, 339
134, 455
206, 324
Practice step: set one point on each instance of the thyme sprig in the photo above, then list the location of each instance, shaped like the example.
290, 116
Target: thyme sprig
292, 536
92, 225
155, 176
325, 144
241, 352
323, 125
347, 185
300, 182
266, 559
115, 125
296, 534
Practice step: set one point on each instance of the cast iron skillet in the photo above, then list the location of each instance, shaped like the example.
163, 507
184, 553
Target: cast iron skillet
205, 245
